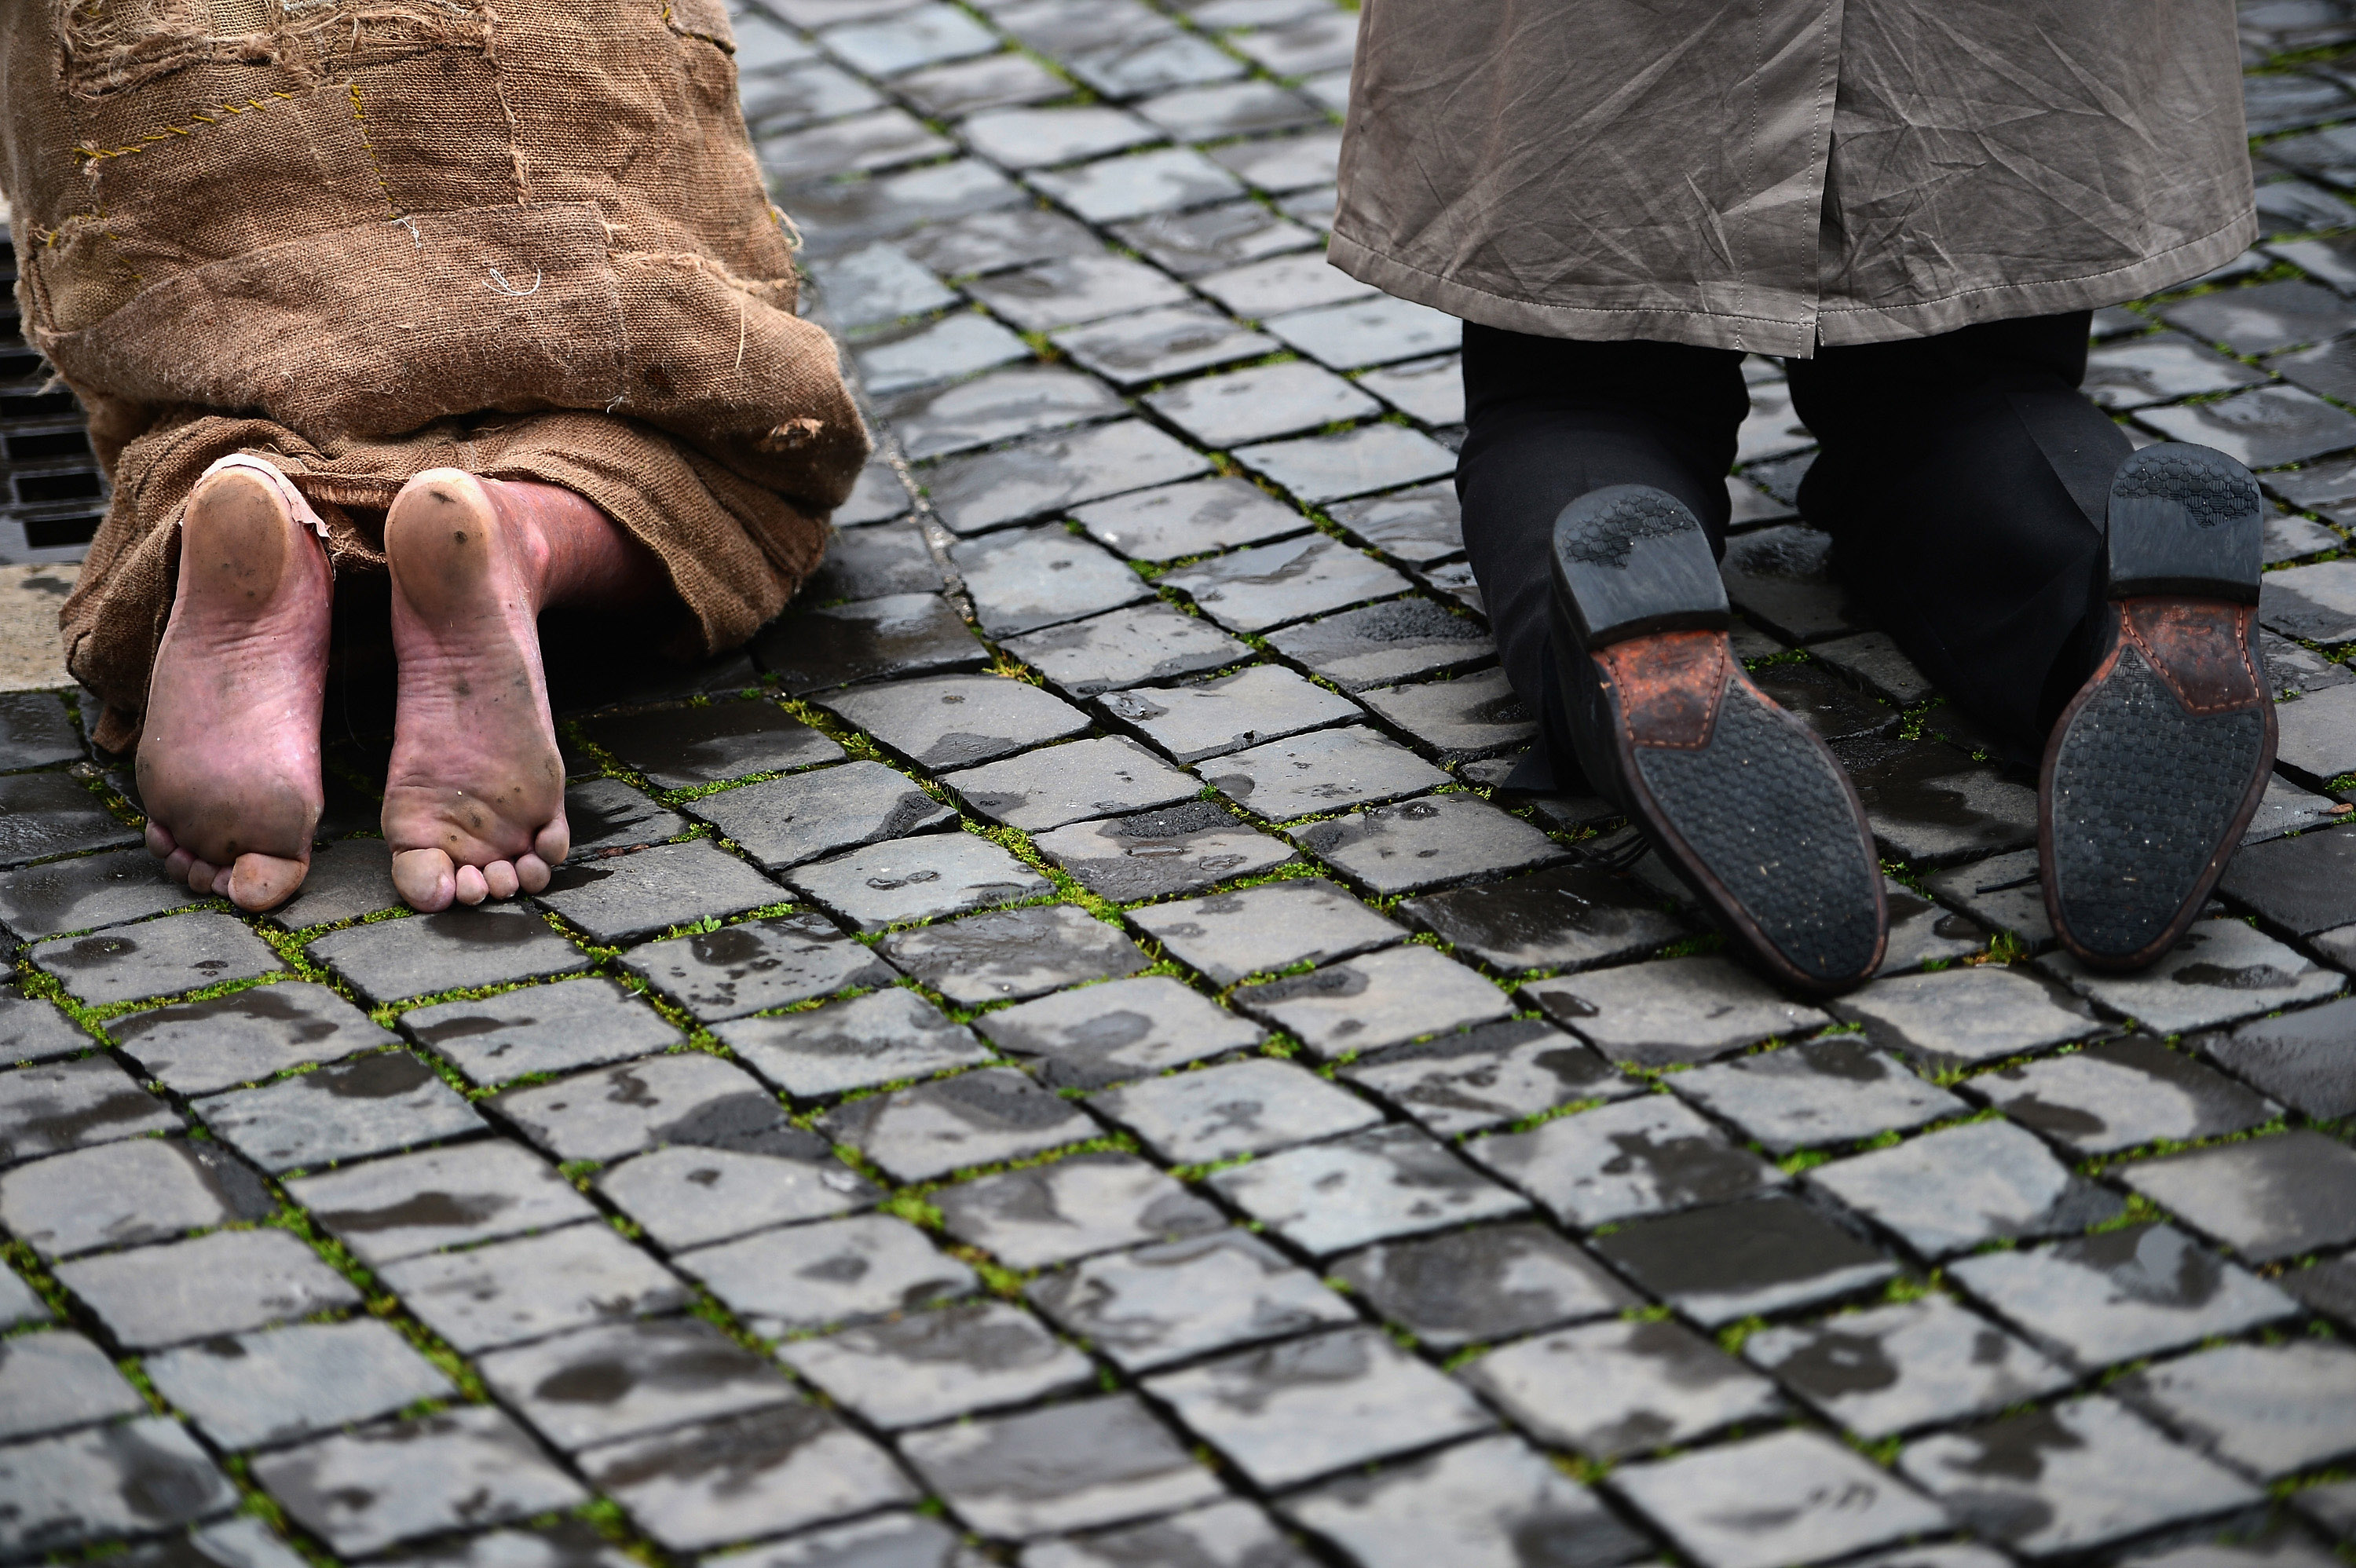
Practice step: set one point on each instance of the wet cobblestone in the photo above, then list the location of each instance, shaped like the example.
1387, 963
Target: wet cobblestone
1066, 1056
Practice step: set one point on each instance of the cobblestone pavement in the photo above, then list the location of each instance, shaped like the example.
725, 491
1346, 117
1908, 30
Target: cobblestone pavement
1056, 1057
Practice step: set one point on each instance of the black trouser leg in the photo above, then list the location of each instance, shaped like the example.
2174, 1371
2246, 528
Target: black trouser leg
1549, 419
1965, 480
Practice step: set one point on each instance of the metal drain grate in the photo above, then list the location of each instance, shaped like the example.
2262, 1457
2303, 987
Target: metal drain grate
51, 492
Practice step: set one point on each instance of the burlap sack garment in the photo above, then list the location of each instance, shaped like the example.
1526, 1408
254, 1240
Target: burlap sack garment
365, 238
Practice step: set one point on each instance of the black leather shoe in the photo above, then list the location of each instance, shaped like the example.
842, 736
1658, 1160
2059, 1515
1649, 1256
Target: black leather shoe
2153, 771
1740, 798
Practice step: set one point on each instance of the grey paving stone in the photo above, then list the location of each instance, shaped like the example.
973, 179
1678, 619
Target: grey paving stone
2300, 1059
1380, 999
1062, 1468
1398, 639
138, 1478
1487, 1077
755, 1474
1096, 1035
1644, 1156
70, 1105
917, 878
1781, 579
2264, 427
87, 893
677, 748
1322, 468
244, 1541
1980, 1014
1150, 63
669, 885
1430, 392
1199, 516
1265, 929
555, 1027
901, 634
686, 1197
1839, 1501
837, 215
2221, 971
2070, 1478
784, 822
1482, 1284
1370, 1187
1454, 583
2161, 368
2120, 1294
223, 1283
1324, 771
1625, 1386
289, 1383
2263, 318
862, 143
968, 87
926, 35
35, 732
490, 944
570, 1278
349, 878
1721, 1264
1155, 1306
1949, 1192
874, 285
1014, 953
1467, 716
2286, 808
116, 1194
788, 100
773, 963
2266, 1410
954, 721
2268, 1198
992, 242
932, 421
838, 1271
1872, 660
392, 1208
1153, 854
688, 1098
1418, 526
1054, 1213
2317, 603
1152, 641
1264, 702
2293, 668
1292, 1412
157, 958
608, 817
877, 497
1427, 843
363, 1491
1211, 239
52, 1382
34, 1030
1929, 804
1673, 1010
624, 1379
1824, 1093
2118, 1094
346, 1110
960, 344
1830, 706
933, 1366
1896, 1369
1267, 585
1484, 1504
52, 814
1281, 283
1057, 784
18, 1305
1111, 189
1280, 164
977, 1118
2319, 737
880, 1038
1048, 474
569, 1543
1244, 1107
1922, 932
890, 1541
1219, 1535
2003, 891
1031, 138
1025, 578
2301, 885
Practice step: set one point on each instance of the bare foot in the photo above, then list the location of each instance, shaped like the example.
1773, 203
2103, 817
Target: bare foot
228, 763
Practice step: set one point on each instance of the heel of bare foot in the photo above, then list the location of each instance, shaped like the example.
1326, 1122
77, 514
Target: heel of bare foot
473, 804
228, 760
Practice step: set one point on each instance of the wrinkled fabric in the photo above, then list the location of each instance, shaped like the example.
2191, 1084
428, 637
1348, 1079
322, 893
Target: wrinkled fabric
365, 238
1776, 174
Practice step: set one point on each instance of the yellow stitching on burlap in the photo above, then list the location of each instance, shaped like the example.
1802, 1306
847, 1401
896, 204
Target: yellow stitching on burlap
91, 152
359, 120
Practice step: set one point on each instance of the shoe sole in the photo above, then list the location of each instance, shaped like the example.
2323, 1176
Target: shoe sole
1747, 806
2156, 766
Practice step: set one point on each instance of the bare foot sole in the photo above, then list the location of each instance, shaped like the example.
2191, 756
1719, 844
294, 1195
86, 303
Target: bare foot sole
473, 804
229, 762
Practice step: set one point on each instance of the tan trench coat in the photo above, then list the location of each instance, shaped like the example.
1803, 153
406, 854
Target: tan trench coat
1769, 175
